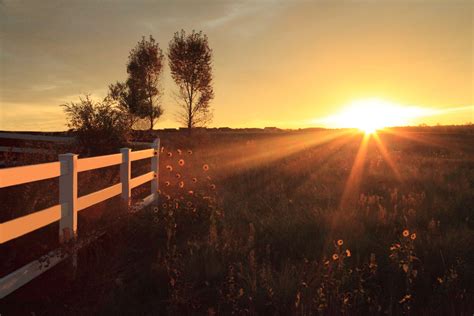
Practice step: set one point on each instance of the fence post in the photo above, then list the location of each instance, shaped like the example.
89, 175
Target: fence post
155, 166
68, 197
125, 175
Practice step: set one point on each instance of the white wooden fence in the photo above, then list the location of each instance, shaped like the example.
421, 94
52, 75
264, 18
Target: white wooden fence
66, 169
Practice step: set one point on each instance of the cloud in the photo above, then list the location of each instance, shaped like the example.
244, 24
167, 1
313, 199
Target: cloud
267, 54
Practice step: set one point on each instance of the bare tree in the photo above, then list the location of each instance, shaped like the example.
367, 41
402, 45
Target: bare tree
190, 61
140, 95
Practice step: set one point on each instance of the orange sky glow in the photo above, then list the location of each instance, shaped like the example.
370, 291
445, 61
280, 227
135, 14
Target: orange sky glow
288, 64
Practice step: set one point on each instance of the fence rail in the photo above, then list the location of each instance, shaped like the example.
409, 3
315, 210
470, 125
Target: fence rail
66, 169
26, 174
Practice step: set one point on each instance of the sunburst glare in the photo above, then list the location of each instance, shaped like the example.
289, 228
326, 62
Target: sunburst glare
370, 115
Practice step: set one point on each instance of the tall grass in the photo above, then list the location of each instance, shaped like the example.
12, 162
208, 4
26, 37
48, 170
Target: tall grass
270, 237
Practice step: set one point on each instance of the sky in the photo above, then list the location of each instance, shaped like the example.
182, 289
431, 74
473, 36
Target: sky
276, 63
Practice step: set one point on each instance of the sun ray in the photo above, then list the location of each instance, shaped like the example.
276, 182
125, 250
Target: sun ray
421, 138
352, 186
266, 151
383, 150
325, 154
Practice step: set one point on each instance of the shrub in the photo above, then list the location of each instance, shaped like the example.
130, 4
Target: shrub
100, 127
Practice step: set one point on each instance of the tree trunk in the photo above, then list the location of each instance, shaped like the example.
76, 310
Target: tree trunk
190, 114
189, 126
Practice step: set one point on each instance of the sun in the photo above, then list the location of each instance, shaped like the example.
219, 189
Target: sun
368, 129
370, 115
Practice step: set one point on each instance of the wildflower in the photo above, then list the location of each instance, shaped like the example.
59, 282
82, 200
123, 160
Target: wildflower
373, 261
405, 299
189, 204
169, 168
413, 236
168, 197
162, 148
181, 162
205, 167
179, 151
155, 209
167, 183
348, 253
178, 175
190, 152
190, 192
170, 154
395, 247
181, 184
340, 242
406, 233
298, 299
164, 205
195, 180
213, 186
335, 256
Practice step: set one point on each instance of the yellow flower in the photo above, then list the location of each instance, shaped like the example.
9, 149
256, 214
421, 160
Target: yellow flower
170, 154
178, 175
181, 162
406, 233
181, 184
213, 186
169, 168
340, 242
179, 151
413, 236
205, 167
190, 152
335, 256
195, 180
348, 253
167, 183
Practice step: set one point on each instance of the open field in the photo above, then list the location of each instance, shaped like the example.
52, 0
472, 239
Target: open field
276, 223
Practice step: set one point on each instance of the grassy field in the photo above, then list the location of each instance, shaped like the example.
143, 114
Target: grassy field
280, 223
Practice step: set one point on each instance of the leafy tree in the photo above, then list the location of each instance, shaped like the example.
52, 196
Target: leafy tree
190, 61
100, 126
140, 94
